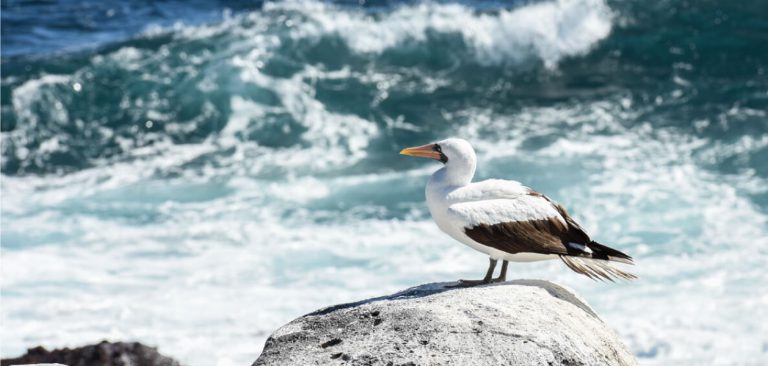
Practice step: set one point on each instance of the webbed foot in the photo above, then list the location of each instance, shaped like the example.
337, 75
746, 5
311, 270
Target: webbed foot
488, 276
470, 283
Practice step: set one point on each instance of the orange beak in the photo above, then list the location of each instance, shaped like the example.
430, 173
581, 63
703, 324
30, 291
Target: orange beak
424, 151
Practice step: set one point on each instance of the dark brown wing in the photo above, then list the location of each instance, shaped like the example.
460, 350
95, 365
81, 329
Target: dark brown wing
558, 234
534, 236
544, 236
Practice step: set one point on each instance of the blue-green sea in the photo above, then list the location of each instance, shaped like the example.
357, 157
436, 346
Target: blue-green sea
193, 175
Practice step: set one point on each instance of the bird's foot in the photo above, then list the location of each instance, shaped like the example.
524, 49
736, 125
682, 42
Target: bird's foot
488, 276
469, 283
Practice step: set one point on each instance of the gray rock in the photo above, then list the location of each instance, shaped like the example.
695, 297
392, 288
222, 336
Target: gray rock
522, 322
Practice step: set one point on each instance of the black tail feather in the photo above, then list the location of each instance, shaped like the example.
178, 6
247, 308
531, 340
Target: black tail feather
600, 251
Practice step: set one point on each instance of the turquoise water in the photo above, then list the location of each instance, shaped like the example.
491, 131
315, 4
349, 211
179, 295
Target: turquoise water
194, 177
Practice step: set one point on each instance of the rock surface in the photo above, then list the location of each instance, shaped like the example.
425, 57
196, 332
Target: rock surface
522, 322
102, 354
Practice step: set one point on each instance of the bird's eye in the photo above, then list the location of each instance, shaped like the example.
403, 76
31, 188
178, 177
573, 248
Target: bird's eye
438, 148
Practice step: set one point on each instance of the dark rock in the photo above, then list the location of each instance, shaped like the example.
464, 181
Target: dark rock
102, 354
331, 343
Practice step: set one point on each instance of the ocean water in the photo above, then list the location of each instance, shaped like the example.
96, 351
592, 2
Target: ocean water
193, 175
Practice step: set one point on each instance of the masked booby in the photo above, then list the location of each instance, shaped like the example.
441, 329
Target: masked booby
507, 220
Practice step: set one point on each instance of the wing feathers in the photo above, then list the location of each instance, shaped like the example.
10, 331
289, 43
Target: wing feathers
528, 221
603, 252
534, 236
595, 269
502, 210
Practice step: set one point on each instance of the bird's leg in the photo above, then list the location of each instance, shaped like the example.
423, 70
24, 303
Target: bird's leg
487, 279
503, 274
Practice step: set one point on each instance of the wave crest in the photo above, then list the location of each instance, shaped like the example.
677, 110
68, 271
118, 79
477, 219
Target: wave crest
548, 31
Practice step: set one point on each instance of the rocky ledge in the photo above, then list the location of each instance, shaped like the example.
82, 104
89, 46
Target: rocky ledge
102, 354
522, 322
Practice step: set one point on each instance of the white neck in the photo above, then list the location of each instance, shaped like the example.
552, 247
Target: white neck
456, 172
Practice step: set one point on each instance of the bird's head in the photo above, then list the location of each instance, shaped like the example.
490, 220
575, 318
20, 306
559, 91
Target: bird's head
452, 151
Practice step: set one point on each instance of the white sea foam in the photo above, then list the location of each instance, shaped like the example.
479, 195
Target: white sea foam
230, 260
548, 30
35, 90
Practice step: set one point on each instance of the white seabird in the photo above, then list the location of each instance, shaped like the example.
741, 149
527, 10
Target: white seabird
507, 220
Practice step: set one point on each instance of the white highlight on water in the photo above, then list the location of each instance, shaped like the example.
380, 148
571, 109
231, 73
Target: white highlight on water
548, 30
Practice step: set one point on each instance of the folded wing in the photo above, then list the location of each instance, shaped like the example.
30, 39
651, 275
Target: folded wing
526, 223
532, 223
